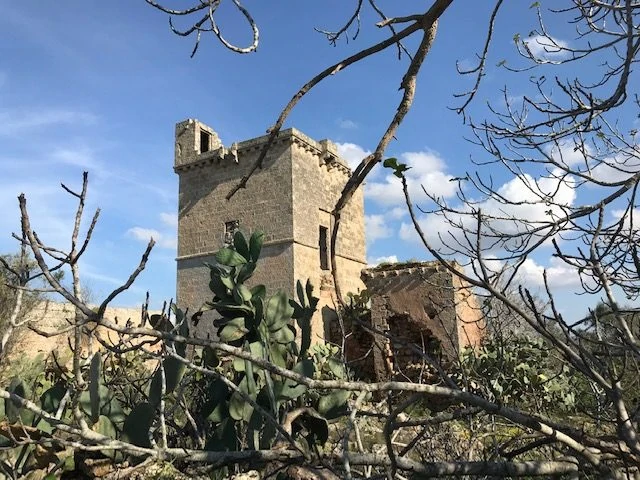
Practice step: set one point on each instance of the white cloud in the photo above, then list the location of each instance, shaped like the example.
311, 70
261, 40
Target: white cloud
17, 121
616, 169
467, 64
527, 203
559, 274
546, 48
376, 227
347, 124
570, 154
377, 261
169, 219
352, 153
427, 170
630, 218
397, 212
81, 157
531, 273
145, 234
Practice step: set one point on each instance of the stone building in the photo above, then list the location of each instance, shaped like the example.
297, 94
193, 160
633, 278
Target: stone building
422, 306
290, 198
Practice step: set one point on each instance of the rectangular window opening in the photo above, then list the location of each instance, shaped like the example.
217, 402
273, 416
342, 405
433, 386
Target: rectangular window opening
324, 250
230, 229
204, 141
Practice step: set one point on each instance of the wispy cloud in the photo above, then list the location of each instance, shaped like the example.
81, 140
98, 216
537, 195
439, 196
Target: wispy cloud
347, 124
546, 48
427, 169
19, 121
376, 227
146, 234
169, 219
352, 153
377, 261
524, 199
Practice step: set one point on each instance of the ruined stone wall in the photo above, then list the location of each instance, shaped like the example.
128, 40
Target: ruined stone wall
471, 324
422, 306
51, 316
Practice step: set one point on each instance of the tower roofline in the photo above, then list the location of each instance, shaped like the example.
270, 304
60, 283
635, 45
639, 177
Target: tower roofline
325, 149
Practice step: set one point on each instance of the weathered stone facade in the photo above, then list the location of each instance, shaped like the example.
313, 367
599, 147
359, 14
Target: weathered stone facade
415, 307
290, 198
52, 316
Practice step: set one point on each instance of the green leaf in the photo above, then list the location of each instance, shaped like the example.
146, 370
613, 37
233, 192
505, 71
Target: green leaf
233, 330
283, 336
11, 407
229, 257
230, 308
261, 431
224, 437
137, 425
245, 272
278, 311
259, 291
240, 244
227, 282
331, 403
105, 427
215, 407
277, 355
316, 425
336, 367
160, 322
112, 408
210, 357
218, 288
239, 408
50, 399
255, 245
95, 370
173, 372
291, 389
242, 293
183, 331
391, 162
256, 349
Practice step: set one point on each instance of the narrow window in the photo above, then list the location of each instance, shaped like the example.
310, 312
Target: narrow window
204, 141
230, 229
324, 251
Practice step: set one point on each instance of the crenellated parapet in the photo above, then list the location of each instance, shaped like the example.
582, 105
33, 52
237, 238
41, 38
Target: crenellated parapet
197, 145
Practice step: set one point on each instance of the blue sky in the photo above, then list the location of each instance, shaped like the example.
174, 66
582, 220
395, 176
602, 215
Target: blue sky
100, 85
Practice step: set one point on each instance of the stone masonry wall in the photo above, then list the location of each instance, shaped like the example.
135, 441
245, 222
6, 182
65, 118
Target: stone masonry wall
205, 180
50, 316
289, 199
319, 176
421, 306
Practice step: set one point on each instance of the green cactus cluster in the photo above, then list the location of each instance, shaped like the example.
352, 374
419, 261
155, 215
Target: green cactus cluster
236, 403
276, 329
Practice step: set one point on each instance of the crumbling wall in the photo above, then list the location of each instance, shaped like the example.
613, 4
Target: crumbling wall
419, 307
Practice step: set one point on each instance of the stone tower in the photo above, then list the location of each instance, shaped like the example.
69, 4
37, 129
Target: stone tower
290, 199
